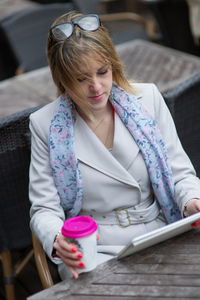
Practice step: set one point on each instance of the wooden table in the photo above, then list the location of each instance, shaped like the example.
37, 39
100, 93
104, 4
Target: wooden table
149, 62
143, 61
169, 270
25, 91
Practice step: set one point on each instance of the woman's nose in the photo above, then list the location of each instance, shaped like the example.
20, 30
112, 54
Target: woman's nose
95, 84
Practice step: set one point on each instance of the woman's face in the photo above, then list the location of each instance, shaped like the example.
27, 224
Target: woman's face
96, 88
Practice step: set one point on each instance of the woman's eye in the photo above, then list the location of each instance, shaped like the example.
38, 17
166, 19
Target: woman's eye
81, 79
102, 72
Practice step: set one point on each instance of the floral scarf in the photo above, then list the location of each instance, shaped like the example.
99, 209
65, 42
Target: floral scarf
145, 132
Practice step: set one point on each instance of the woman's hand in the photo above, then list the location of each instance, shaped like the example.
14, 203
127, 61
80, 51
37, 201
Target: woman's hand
191, 207
69, 254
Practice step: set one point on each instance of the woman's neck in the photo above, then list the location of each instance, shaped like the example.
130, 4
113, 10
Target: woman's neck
98, 115
102, 125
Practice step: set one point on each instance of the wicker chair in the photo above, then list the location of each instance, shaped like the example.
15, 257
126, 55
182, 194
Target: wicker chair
15, 234
26, 31
8, 59
184, 104
47, 271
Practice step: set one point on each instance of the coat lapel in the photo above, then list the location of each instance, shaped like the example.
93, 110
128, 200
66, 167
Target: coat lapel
125, 149
94, 153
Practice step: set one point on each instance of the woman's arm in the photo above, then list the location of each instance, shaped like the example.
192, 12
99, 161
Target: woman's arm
187, 185
47, 215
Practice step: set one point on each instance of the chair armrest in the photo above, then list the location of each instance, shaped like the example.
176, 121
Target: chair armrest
122, 16
41, 263
153, 1
19, 71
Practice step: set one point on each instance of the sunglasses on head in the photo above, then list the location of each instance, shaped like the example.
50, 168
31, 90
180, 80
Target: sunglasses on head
64, 30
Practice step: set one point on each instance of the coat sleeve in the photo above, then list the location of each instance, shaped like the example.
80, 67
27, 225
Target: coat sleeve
47, 215
187, 184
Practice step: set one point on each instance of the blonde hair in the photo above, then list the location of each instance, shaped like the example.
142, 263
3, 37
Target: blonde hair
65, 56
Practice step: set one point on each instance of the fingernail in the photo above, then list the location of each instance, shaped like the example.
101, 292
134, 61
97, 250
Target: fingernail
73, 250
81, 264
75, 276
80, 255
195, 224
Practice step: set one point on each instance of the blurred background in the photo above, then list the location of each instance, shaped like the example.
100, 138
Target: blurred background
24, 26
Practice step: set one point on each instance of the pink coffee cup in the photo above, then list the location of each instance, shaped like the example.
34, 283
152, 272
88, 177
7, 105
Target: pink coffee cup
82, 231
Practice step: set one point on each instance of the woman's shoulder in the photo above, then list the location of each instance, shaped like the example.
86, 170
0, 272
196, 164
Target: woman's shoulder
143, 88
149, 95
146, 91
40, 120
46, 111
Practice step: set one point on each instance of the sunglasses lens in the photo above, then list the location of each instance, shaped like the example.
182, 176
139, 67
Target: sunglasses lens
89, 23
62, 31
65, 30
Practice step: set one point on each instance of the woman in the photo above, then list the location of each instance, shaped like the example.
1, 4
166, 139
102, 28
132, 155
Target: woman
103, 149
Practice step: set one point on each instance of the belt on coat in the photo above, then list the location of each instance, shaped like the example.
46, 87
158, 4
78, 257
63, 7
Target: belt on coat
144, 212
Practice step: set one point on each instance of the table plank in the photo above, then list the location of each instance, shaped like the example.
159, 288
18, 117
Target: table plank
152, 268
123, 278
149, 62
140, 290
39, 82
26, 91
110, 297
148, 274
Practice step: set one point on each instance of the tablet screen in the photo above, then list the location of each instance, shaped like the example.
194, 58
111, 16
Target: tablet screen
158, 235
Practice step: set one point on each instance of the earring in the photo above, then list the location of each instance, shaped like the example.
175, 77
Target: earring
111, 97
71, 105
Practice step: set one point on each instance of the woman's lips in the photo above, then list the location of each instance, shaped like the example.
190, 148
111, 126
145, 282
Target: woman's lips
97, 98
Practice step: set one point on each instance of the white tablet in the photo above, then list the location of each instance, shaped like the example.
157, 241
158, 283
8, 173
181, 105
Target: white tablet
158, 235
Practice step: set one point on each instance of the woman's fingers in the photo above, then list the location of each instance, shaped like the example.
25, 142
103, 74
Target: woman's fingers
74, 272
192, 207
77, 264
65, 248
69, 254
197, 205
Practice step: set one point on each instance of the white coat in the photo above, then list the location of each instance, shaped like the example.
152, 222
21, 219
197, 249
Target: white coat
110, 181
